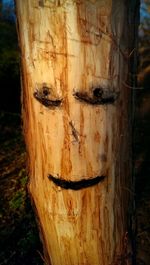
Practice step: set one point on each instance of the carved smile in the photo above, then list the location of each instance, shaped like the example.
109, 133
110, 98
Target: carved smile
75, 185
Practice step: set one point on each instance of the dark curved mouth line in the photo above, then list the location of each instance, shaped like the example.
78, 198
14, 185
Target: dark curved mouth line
75, 185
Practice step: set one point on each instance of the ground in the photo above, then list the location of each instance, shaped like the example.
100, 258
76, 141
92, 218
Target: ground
19, 240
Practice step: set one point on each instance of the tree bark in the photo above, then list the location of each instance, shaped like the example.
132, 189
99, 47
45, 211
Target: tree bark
77, 125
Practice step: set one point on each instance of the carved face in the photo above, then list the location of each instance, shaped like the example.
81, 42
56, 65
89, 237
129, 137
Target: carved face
75, 139
73, 91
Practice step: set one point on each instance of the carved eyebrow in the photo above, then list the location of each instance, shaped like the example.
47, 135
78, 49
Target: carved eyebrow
99, 96
75, 185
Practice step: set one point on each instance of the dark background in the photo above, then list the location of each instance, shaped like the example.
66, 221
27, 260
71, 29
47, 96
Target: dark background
19, 240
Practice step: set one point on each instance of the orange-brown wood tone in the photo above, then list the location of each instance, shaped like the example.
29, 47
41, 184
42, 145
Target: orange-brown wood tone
77, 126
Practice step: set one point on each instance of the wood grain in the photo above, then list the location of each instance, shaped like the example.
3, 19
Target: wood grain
78, 46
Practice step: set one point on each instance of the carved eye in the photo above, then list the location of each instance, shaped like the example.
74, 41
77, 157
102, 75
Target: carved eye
46, 91
99, 96
97, 92
46, 97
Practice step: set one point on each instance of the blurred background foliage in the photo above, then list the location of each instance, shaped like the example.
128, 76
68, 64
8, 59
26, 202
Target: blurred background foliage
9, 59
144, 45
19, 238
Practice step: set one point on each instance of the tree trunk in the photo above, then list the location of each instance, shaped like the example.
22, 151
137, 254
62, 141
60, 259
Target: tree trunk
77, 125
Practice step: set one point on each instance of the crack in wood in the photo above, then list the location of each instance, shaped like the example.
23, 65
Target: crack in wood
75, 185
74, 132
